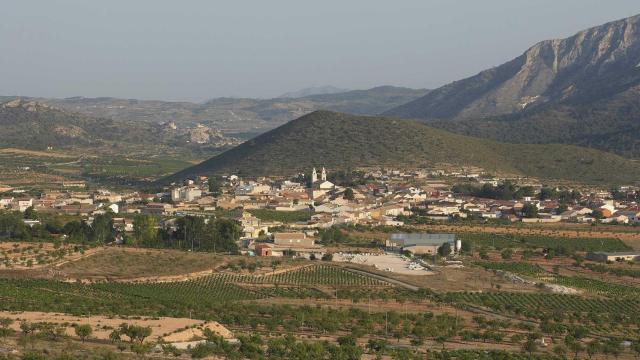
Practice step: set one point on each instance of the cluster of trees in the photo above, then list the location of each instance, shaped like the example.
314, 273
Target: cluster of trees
333, 235
504, 191
135, 333
191, 233
563, 196
100, 231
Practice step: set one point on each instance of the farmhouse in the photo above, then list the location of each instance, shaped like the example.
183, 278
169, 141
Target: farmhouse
420, 243
602, 256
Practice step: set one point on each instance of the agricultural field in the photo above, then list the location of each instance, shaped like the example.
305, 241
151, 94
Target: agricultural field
461, 308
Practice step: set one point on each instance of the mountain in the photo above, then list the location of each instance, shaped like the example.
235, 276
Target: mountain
316, 90
580, 90
33, 125
340, 141
238, 116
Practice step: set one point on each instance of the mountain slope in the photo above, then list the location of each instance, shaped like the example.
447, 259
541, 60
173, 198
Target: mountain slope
337, 140
583, 90
592, 64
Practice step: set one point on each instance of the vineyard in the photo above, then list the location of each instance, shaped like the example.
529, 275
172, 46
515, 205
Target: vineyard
535, 305
322, 275
561, 244
592, 286
599, 287
175, 298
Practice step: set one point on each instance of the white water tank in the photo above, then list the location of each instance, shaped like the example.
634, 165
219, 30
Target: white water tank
458, 245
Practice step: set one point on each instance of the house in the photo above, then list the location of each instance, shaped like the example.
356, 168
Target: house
263, 250
293, 239
421, 243
607, 210
154, 208
78, 209
185, 193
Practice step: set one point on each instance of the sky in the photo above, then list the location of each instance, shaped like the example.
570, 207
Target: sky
194, 50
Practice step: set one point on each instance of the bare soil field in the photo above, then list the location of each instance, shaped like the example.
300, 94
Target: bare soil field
175, 329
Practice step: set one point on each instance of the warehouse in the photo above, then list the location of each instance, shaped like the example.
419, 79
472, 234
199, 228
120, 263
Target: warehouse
421, 243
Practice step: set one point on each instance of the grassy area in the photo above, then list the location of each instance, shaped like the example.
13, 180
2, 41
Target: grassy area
116, 263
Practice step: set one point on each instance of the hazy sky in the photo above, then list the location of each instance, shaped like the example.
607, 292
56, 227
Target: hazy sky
197, 49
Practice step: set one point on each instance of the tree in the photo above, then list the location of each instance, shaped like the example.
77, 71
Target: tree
530, 346
597, 214
4, 327
348, 194
327, 257
102, 228
506, 254
31, 213
444, 250
466, 247
530, 210
26, 327
593, 347
547, 193
145, 231
215, 185
142, 349
83, 331
527, 254
135, 332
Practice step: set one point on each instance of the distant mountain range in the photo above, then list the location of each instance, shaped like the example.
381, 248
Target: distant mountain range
33, 125
341, 141
310, 91
583, 90
241, 117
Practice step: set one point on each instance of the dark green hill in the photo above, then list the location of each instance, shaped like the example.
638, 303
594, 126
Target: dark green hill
337, 140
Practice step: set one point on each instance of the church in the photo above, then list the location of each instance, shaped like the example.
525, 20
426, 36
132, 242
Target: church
319, 187
321, 184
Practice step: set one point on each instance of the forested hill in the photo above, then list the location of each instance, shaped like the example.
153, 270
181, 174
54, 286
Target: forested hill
338, 140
